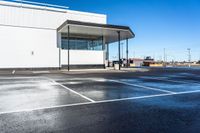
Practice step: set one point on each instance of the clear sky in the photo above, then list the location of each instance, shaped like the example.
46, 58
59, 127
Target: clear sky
158, 24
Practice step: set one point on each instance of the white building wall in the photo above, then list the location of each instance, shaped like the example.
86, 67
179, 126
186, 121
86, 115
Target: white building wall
18, 44
40, 18
87, 17
25, 30
83, 57
17, 16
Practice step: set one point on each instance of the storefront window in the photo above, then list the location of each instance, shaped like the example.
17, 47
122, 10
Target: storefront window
82, 44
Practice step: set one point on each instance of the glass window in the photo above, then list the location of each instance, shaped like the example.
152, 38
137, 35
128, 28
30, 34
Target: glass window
82, 44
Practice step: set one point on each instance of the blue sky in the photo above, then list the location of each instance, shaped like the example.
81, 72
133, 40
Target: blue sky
158, 24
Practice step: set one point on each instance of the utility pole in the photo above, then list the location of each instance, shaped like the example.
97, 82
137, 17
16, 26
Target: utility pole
189, 56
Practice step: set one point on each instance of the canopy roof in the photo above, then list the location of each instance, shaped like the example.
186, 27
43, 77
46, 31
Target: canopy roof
94, 30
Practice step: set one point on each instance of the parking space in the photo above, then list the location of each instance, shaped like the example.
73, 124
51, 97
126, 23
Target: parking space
102, 89
27, 93
182, 77
100, 102
165, 84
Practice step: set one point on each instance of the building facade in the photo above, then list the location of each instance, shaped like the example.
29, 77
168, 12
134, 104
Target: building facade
38, 36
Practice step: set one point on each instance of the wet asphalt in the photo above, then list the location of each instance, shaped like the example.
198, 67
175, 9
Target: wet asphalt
51, 102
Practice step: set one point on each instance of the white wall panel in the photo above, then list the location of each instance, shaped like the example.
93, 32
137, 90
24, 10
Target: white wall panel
31, 18
81, 57
17, 45
87, 17
17, 16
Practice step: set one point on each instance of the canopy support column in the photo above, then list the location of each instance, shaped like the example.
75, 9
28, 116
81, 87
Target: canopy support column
59, 45
119, 42
68, 46
102, 39
127, 61
60, 59
108, 54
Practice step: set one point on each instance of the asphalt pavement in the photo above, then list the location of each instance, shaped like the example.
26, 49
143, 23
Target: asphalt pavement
154, 101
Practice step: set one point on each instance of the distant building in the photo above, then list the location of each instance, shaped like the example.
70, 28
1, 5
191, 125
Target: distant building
148, 61
136, 62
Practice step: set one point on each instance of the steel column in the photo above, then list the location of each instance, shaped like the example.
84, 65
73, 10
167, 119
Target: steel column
102, 43
108, 54
59, 58
127, 61
119, 42
68, 46
59, 45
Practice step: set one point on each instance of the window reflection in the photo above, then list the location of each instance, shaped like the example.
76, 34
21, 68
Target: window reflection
83, 43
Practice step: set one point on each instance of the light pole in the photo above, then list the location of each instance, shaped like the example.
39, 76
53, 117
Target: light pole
164, 57
189, 56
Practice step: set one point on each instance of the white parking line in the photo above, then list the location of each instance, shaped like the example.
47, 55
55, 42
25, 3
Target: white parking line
2, 78
145, 87
98, 102
87, 98
51, 107
40, 72
22, 82
17, 85
174, 81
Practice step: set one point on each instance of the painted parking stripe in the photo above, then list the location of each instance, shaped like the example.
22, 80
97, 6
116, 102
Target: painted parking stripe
20, 78
40, 72
174, 81
98, 102
25, 85
145, 87
23, 82
43, 108
67, 88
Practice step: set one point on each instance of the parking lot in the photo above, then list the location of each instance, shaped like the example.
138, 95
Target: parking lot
158, 100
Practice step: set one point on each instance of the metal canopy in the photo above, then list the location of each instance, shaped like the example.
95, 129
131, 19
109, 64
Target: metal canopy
94, 30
